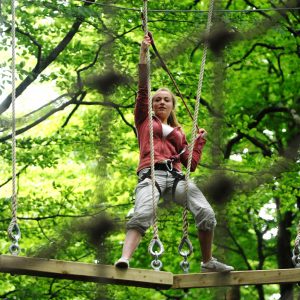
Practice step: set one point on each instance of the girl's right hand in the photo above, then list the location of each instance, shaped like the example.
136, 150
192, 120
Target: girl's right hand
202, 133
146, 43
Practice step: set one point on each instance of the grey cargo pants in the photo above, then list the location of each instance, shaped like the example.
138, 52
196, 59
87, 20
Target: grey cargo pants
143, 211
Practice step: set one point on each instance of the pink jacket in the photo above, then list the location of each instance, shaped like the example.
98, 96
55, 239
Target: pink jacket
168, 147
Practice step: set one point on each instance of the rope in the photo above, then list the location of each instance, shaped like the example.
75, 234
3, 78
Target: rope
13, 229
150, 114
156, 264
165, 67
185, 238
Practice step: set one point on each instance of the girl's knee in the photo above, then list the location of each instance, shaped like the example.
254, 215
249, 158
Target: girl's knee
206, 219
140, 222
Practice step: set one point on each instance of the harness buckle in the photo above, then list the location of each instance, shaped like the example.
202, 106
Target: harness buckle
169, 164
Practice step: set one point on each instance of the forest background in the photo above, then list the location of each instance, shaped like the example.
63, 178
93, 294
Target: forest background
77, 152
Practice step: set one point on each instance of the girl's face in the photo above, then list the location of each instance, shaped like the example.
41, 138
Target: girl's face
162, 105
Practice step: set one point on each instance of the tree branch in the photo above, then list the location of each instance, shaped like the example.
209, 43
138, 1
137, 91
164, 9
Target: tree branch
257, 143
44, 62
43, 118
34, 41
270, 47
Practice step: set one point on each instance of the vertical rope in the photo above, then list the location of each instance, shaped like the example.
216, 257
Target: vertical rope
156, 264
13, 229
296, 250
150, 114
194, 130
13, 107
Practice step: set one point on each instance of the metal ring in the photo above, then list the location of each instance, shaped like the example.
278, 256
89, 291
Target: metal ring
14, 249
156, 242
185, 253
185, 266
296, 259
156, 264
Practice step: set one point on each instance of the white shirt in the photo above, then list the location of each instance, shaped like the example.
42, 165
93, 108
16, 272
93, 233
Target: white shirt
166, 129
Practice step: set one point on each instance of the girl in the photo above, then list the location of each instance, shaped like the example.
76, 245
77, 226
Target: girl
171, 150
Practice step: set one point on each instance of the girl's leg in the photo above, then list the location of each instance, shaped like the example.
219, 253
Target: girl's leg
205, 221
132, 240
142, 217
206, 240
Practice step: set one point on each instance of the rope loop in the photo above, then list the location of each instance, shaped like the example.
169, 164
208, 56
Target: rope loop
14, 234
185, 266
14, 231
185, 241
156, 242
156, 264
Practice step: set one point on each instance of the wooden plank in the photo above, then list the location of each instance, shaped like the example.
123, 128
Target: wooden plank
236, 278
84, 272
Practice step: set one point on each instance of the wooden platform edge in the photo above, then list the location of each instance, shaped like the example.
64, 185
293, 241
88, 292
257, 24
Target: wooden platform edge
139, 277
203, 280
84, 272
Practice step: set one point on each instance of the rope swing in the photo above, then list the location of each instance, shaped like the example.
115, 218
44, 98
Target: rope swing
156, 264
185, 239
14, 232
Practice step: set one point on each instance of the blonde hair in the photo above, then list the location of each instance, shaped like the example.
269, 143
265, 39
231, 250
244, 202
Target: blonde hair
172, 119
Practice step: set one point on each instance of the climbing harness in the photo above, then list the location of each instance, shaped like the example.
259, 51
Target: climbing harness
14, 231
185, 239
155, 242
165, 166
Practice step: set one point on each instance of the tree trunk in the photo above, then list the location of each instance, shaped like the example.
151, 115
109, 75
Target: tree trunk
284, 248
233, 293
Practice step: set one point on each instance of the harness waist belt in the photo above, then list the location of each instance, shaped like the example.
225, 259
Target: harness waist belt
161, 167
164, 167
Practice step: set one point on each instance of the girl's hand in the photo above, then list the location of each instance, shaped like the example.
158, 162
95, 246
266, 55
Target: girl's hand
202, 133
145, 43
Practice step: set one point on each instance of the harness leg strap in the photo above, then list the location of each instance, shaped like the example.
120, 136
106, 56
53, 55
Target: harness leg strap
178, 177
148, 175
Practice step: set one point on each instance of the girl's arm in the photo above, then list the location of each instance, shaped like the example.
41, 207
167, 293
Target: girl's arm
197, 151
141, 105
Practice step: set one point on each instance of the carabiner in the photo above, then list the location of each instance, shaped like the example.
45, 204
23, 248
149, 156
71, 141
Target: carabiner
156, 264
